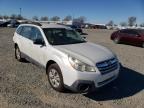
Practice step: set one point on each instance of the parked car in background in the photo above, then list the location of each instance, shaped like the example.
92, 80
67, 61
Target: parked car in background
129, 36
4, 24
13, 23
10, 23
69, 60
1, 22
76, 28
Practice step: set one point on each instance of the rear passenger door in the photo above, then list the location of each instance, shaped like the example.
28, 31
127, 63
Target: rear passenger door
25, 40
134, 37
125, 36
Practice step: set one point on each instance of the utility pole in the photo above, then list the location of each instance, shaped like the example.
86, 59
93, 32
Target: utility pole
20, 11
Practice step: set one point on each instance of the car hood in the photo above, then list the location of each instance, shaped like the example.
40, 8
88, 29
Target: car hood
86, 52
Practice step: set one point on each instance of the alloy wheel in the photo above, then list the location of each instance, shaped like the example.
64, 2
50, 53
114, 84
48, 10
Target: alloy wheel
54, 78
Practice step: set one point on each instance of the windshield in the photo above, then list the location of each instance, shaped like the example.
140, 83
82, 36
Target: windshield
61, 36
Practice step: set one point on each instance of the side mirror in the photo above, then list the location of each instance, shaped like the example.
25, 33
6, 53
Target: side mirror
39, 42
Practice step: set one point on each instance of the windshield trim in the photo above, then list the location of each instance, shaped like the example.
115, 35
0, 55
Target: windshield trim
64, 43
69, 43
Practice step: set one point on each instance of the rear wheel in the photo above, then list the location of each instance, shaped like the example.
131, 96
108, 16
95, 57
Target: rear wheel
55, 77
116, 40
143, 45
18, 54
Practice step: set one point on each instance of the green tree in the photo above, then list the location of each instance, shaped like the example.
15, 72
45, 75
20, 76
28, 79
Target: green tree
6, 17
79, 21
13, 16
35, 18
45, 18
1, 17
67, 18
142, 25
19, 17
132, 21
110, 23
123, 24
55, 18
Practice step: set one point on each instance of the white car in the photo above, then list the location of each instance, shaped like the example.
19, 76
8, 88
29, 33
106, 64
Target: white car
70, 61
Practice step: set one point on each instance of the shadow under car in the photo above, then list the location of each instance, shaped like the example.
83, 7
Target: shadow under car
128, 84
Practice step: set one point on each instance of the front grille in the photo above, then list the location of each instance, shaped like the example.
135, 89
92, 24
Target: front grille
107, 66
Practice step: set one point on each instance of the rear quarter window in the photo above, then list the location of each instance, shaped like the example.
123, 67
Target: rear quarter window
18, 31
26, 32
130, 32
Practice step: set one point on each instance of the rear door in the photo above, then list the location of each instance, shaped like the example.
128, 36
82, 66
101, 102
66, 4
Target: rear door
18, 37
130, 37
134, 37
123, 35
25, 42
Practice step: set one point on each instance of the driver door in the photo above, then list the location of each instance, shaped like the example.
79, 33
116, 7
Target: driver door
37, 50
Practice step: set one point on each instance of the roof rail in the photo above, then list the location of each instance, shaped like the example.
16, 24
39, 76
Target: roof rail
32, 22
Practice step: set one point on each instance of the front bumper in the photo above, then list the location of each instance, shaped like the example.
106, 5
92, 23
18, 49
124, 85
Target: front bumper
91, 81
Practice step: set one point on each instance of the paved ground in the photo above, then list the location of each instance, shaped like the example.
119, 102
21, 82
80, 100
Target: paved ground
23, 85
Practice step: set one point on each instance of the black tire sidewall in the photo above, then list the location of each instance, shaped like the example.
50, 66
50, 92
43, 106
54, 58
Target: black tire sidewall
143, 45
56, 67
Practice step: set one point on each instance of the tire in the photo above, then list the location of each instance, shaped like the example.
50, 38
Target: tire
116, 40
143, 45
18, 54
55, 77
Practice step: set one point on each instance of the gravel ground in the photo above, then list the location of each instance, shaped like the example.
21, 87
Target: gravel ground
24, 85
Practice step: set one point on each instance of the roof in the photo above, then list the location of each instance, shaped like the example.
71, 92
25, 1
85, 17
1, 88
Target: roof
54, 26
47, 25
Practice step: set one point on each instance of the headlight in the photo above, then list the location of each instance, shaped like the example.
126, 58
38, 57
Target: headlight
80, 66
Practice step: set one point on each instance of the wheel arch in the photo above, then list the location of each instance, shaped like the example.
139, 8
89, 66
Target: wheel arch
15, 45
49, 63
58, 63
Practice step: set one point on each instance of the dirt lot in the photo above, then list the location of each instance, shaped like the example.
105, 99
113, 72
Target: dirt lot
24, 85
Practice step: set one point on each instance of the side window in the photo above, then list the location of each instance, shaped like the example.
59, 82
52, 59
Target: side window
19, 30
124, 31
133, 33
130, 32
26, 32
31, 33
36, 34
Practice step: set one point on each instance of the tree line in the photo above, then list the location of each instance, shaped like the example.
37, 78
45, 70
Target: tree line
13, 16
80, 19
132, 21
44, 18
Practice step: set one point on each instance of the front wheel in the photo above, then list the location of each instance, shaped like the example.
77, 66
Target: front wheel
55, 77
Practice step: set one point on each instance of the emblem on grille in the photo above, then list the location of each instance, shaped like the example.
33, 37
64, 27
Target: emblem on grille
109, 62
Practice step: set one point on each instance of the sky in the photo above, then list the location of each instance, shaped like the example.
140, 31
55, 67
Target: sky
95, 11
